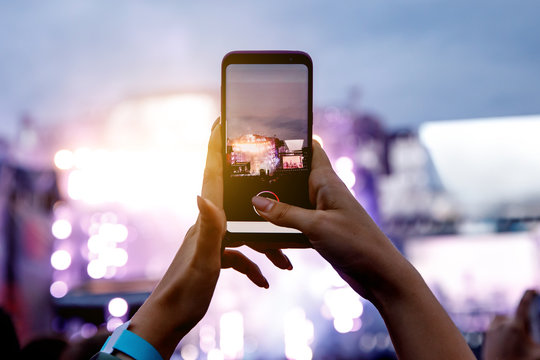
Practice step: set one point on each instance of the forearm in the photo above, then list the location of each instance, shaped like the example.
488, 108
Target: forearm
419, 326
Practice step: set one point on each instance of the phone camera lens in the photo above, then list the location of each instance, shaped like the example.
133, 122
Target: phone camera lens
290, 59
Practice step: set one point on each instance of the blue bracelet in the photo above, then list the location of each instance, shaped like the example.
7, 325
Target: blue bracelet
130, 344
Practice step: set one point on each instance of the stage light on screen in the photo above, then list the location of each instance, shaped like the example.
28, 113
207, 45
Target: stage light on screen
61, 229
118, 307
58, 289
60, 260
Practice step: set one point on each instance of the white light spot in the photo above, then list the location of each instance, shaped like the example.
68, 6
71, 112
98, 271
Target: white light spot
61, 229
318, 139
231, 335
215, 354
343, 324
189, 352
58, 289
88, 330
118, 307
64, 159
61, 260
96, 269
113, 323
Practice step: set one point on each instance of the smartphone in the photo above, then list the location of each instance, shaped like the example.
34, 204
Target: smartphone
534, 318
267, 124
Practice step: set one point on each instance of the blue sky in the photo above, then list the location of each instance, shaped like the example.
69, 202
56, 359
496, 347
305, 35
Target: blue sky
413, 61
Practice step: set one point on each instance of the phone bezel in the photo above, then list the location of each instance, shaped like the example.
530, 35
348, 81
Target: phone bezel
261, 239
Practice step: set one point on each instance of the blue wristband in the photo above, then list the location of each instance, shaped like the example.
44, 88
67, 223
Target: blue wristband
130, 344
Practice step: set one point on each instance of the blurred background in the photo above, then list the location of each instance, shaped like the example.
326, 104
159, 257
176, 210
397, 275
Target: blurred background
429, 111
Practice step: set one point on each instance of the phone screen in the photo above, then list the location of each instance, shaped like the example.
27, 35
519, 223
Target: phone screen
268, 141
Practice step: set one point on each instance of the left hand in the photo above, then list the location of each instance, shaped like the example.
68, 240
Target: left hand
183, 295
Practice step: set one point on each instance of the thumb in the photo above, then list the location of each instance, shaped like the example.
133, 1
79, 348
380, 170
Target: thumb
212, 228
283, 214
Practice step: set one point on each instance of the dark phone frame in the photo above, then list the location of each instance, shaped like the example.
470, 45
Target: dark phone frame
265, 240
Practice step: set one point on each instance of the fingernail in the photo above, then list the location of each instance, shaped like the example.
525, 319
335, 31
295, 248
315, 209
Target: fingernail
262, 204
266, 284
290, 267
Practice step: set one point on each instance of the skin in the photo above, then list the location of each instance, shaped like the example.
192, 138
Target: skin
339, 229
344, 234
509, 337
183, 295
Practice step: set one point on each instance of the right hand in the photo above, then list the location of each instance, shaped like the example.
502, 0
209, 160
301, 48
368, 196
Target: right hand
340, 230
509, 338
344, 234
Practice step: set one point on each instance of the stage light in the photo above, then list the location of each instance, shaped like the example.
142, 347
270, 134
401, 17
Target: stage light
207, 338
344, 169
115, 232
61, 260
118, 307
298, 332
61, 229
96, 269
88, 330
231, 335
96, 244
215, 354
343, 325
189, 352
318, 139
58, 289
64, 159
113, 323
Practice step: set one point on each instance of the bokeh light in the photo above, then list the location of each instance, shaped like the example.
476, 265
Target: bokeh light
61, 229
118, 307
61, 260
113, 323
58, 289
64, 159
189, 352
96, 269
231, 335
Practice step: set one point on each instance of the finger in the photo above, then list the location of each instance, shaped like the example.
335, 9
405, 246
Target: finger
278, 258
239, 262
522, 311
497, 321
284, 214
211, 231
319, 159
212, 188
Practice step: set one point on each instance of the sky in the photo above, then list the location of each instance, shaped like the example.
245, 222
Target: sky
412, 61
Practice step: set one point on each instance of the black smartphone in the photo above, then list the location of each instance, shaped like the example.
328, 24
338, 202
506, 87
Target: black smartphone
534, 318
267, 122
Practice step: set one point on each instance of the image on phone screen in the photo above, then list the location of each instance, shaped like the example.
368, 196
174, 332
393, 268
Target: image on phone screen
267, 137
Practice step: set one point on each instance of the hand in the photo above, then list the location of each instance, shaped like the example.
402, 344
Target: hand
509, 338
344, 234
183, 295
339, 229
